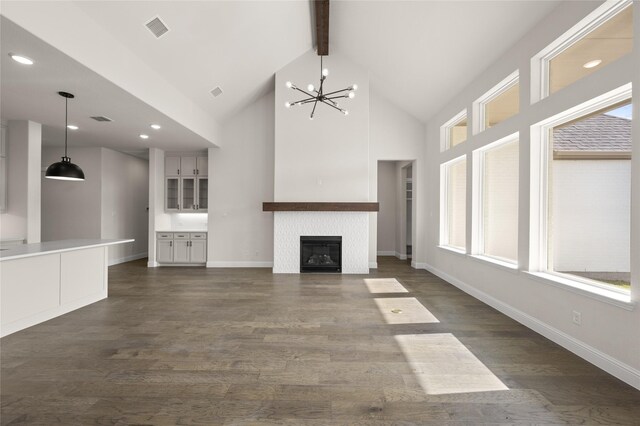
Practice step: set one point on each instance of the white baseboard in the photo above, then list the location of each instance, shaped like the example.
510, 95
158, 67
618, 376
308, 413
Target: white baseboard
128, 258
373, 265
622, 371
386, 253
152, 264
239, 264
401, 256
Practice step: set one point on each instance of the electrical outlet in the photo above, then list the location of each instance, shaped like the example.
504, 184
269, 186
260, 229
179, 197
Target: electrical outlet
577, 318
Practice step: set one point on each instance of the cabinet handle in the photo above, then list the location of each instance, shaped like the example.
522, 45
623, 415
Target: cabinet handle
197, 171
178, 171
194, 171
178, 208
170, 243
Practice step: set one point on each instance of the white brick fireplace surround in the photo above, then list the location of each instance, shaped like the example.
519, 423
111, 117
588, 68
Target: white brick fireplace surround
353, 227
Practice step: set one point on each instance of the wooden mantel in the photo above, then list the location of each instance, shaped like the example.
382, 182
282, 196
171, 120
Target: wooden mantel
320, 207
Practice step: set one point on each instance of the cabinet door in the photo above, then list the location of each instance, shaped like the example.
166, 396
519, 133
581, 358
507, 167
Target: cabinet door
181, 251
203, 194
189, 166
199, 251
172, 194
171, 166
188, 193
165, 251
202, 166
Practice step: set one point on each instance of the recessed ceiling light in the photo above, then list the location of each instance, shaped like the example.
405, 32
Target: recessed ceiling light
21, 59
592, 64
72, 127
144, 136
156, 126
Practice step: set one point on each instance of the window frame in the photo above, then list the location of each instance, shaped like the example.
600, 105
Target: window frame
480, 104
445, 130
444, 241
477, 241
540, 62
541, 157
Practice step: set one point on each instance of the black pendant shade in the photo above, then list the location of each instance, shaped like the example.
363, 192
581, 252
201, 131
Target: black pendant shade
65, 169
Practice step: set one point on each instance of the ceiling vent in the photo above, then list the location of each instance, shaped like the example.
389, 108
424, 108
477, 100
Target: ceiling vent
102, 118
216, 92
157, 27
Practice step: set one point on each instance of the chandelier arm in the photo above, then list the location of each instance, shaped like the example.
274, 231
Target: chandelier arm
314, 108
333, 106
324, 98
337, 97
337, 91
303, 101
303, 91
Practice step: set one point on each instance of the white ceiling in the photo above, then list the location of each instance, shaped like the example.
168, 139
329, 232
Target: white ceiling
30, 92
419, 54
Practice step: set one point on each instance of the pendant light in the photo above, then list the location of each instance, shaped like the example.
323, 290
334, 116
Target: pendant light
65, 169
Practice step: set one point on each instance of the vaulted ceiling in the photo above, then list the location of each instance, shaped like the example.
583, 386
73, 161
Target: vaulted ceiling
419, 53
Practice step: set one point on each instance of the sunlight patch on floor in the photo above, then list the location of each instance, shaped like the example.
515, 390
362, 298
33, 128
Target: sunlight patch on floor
404, 310
384, 285
443, 365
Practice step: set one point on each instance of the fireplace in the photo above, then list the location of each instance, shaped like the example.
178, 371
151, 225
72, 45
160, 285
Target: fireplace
320, 254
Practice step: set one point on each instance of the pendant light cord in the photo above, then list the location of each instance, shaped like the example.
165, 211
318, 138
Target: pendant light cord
66, 118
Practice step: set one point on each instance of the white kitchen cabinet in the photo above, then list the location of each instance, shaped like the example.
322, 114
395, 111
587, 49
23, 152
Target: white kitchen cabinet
189, 166
3, 170
202, 166
165, 251
181, 248
172, 166
186, 184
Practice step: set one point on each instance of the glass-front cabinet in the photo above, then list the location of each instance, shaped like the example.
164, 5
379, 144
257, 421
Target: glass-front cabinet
172, 194
186, 184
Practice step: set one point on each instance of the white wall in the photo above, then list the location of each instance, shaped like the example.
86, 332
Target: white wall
395, 135
325, 159
240, 180
387, 216
608, 335
124, 202
22, 218
72, 209
593, 195
110, 203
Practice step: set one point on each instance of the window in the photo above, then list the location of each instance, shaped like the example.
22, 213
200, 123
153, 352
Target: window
600, 39
498, 104
497, 191
453, 203
588, 193
454, 131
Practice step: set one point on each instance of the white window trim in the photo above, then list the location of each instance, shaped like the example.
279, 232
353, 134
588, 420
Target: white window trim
540, 62
444, 203
477, 240
445, 130
540, 157
479, 106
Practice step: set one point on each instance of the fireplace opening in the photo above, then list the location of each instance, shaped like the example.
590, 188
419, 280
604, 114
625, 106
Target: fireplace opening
320, 254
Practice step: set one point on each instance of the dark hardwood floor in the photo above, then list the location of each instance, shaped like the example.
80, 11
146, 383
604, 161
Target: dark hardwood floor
244, 346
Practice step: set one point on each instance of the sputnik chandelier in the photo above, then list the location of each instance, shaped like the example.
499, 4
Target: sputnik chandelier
318, 95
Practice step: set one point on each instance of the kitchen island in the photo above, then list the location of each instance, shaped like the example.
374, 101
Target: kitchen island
41, 281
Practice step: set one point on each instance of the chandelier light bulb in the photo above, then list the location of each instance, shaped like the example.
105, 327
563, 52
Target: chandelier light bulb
287, 105
289, 85
352, 95
310, 87
325, 72
346, 112
311, 117
354, 87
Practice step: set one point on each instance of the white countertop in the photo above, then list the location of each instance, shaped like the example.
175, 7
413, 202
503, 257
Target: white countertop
183, 230
50, 247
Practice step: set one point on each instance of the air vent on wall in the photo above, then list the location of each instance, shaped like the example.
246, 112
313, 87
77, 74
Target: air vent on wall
216, 92
101, 118
157, 27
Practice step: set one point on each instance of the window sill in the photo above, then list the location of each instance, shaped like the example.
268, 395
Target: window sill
510, 267
601, 294
454, 250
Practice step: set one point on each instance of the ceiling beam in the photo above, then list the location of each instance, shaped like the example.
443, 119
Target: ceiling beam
322, 26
